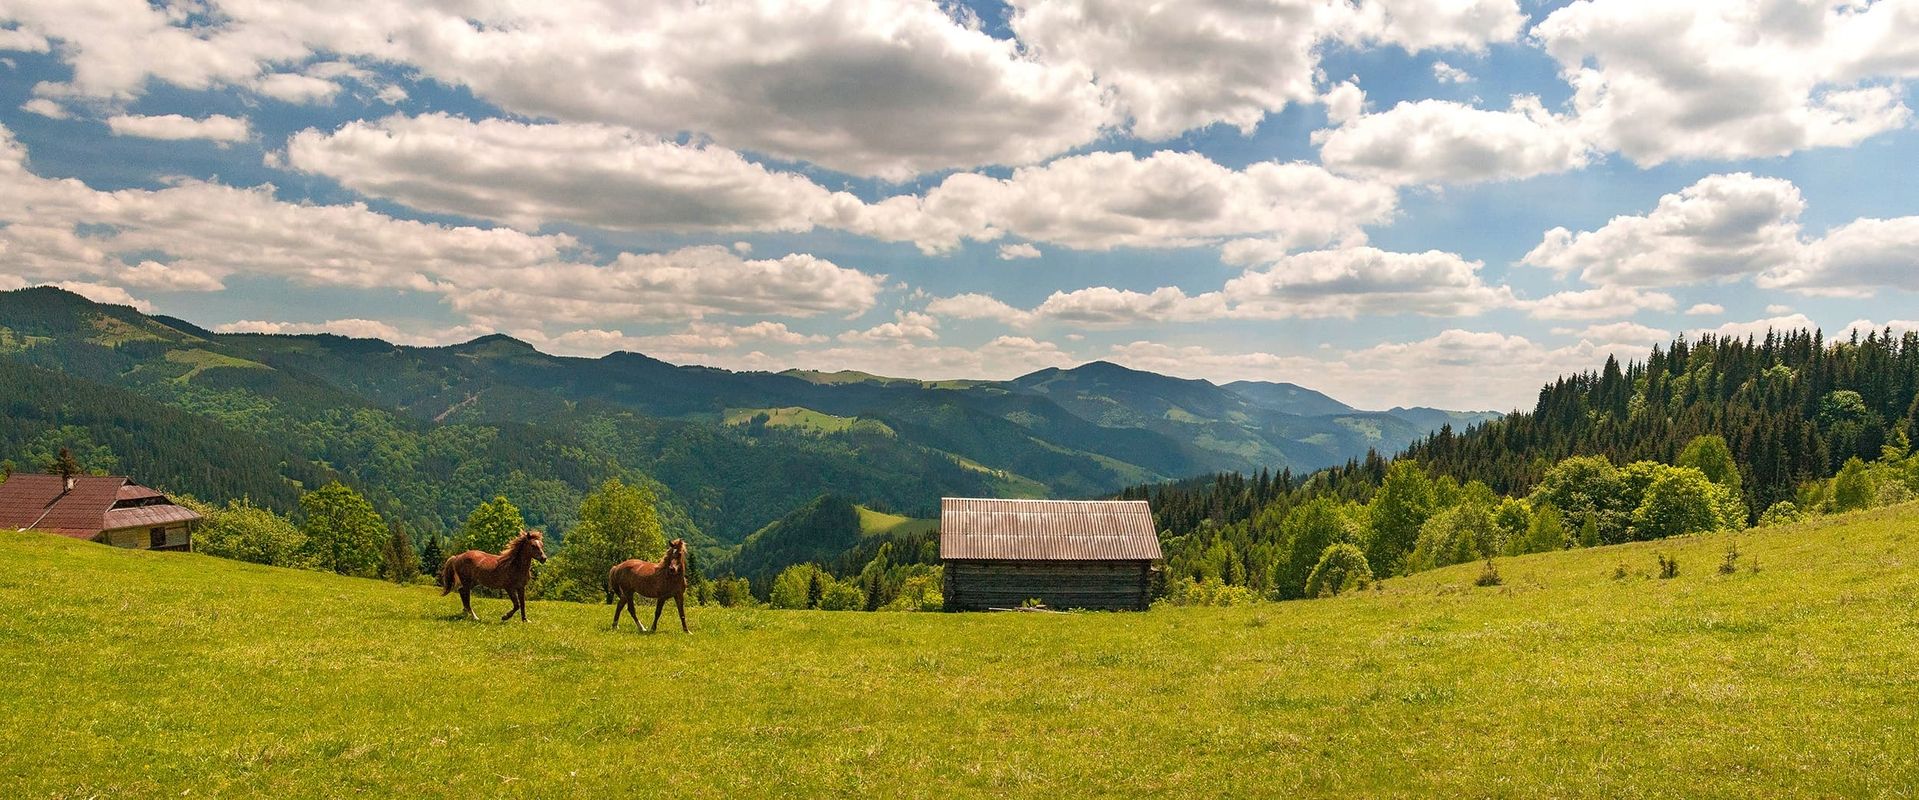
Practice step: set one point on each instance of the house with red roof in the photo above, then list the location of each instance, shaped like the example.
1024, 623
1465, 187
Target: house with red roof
110, 509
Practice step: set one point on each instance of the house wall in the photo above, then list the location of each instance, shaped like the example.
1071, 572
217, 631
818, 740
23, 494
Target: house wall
1096, 585
142, 538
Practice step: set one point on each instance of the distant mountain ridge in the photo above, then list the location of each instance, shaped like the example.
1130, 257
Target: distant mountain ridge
436, 429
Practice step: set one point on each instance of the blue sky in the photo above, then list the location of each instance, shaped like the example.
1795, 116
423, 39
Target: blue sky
1398, 202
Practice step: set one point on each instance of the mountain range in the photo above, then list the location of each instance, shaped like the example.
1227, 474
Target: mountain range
428, 432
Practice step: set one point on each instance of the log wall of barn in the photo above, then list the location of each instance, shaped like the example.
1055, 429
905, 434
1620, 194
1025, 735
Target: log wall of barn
1095, 585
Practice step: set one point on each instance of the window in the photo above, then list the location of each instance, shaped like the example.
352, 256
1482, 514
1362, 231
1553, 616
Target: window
157, 537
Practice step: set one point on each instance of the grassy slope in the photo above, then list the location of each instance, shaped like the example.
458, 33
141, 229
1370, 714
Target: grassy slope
880, 523
136, 673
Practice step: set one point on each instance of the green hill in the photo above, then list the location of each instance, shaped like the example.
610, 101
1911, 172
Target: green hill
158, 674
826, 531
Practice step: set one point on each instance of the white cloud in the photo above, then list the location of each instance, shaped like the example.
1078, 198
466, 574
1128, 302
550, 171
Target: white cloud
527, 175
1447, 73
1453, 369
46, 108
1728, 79
1099, 201
1722, 227
1778, 309
1014, 252
218, 127
907, 326
1103, 305
1179, 66
874, 87
1853, 260
196, 234
1438, 24
1727, 227
1606, 301
1002, 357
102, 293
352, 328
22, 41
1438, 141
703, 342
1757, 328
296, 88
973, 305
1351, 281
1705, 309
1617, 332
1864, 327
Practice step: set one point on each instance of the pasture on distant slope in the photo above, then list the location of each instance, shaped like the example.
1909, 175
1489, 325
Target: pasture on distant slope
147, 674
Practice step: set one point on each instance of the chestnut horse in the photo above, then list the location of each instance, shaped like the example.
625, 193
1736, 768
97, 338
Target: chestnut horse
509, 572
647, 579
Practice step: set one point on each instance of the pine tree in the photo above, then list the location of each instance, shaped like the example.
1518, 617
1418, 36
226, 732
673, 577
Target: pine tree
399, 561
433, 556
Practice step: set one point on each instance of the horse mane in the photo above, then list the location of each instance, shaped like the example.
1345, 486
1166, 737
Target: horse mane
514, 548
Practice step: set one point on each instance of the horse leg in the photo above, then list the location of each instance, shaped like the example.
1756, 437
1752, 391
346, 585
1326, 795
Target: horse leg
620, 608
658, 608
679, 601
512, 606
466, 602
632, 609
522, 594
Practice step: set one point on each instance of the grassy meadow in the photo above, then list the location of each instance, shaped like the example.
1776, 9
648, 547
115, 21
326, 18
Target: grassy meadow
147, 674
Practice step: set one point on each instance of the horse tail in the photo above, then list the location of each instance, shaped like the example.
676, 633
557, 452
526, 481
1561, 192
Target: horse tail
447, 576
609, 582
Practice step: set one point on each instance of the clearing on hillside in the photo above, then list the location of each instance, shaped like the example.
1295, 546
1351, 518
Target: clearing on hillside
150, 674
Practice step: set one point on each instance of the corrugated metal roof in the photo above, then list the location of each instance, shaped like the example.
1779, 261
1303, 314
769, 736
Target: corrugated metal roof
134, 491
148, 516
40, 502
1047, 530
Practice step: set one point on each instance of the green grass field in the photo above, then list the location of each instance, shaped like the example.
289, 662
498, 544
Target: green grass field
880, 523
154, 674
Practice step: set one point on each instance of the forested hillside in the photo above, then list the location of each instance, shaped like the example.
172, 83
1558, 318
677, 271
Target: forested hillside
429, 433
1792, 406
1707, 434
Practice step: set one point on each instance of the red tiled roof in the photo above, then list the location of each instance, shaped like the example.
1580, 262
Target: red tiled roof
40, 502
1047, 530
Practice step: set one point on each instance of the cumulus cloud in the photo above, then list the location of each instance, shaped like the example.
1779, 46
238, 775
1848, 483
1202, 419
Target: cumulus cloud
1099, 201
974, 305
1618, 332
1447, 73
933, 92
1351, 281
46, 108
907, 326
352, 328
1728, 227
1014, 252
1000, 358
217, 127
700, 341
1438, 141
1606, 301
1705, 309
103, 293
193, 234
1175, 67
1758, 327
1723, 79
1722, 227
1853, 260
1452, 369
527, 175
1865, 327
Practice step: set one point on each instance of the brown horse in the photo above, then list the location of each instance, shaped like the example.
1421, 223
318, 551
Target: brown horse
647, 579
509, 572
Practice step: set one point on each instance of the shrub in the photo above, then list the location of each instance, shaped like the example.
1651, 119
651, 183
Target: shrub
1620, 573
1488, 576
1341, 567
1209, 592
842, 596
1783, 512
1730, 564
1668, 567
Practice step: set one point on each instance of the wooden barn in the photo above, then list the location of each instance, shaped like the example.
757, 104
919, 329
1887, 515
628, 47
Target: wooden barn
1091, 554
108, 509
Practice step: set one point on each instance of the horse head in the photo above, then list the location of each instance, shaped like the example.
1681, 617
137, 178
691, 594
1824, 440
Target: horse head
675, 559
536, 542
